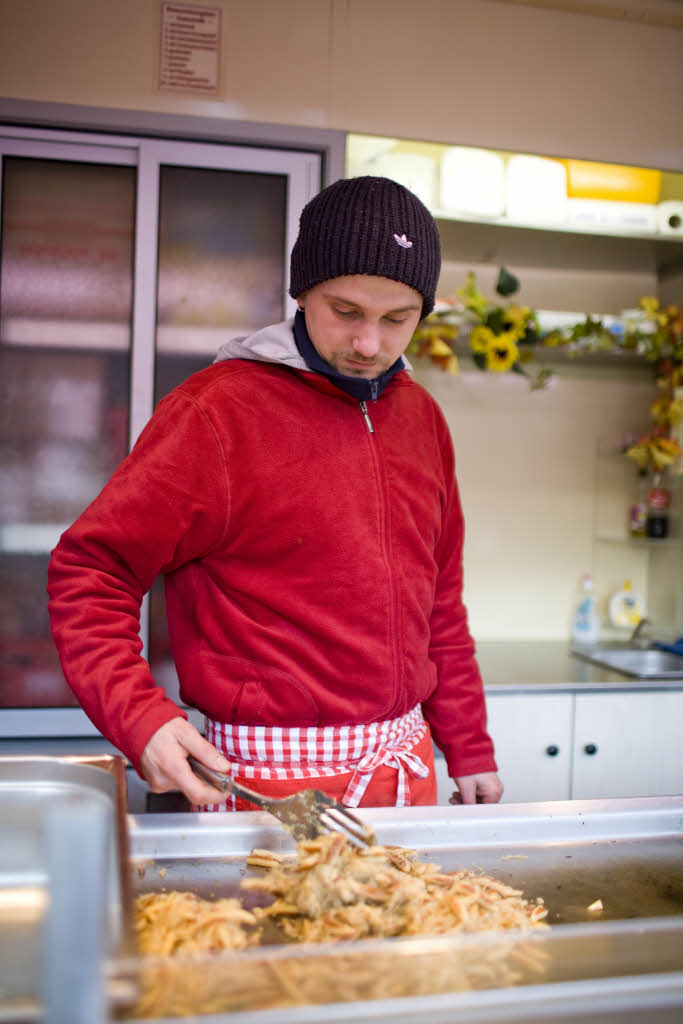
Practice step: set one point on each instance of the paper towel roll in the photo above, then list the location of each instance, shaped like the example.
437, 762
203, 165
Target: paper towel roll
472, 182
670, 217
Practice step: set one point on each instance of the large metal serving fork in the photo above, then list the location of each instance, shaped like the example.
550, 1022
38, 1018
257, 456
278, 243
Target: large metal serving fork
306, 815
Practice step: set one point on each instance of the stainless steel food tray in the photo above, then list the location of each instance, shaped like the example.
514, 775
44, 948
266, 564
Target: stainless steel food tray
627, 853
59, 817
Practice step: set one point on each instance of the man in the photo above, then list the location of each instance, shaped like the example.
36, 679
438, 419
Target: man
299, 497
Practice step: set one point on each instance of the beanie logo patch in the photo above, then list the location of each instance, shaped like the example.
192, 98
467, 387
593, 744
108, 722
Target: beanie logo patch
403, 241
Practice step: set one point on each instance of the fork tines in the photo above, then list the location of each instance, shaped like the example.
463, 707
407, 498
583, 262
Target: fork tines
338, 819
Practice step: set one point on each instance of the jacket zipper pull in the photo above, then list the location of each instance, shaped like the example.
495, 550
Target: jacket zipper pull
366, 417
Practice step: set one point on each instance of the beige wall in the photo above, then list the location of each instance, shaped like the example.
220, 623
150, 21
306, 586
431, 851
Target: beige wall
467, 71
481, 72
536, 491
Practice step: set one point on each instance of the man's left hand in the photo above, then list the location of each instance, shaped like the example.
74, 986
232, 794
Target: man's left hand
485, 788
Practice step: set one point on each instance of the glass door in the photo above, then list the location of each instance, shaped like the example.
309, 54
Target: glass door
226, 225
123, 268
66, 257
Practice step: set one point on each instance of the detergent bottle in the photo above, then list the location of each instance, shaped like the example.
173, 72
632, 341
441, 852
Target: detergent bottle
585, 624
626, 607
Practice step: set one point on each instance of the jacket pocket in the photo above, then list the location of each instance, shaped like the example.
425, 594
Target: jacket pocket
236, 690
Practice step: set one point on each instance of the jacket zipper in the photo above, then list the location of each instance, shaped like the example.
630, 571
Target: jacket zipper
384, 511
366, 417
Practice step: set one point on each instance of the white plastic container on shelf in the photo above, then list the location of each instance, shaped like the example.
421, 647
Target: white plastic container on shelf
536, 190
415, 171
472, 182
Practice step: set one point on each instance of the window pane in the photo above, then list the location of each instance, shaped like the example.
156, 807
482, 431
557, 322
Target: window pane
221, 274
65, 326
221, 264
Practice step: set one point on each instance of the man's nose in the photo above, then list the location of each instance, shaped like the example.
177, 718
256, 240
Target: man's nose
366, 340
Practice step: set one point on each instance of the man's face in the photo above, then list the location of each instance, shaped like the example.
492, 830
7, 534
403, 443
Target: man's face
361, 324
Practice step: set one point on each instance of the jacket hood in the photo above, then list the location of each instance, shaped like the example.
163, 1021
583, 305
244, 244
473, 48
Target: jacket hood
272, 344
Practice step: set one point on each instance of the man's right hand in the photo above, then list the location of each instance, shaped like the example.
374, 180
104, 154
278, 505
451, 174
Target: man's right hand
165, 767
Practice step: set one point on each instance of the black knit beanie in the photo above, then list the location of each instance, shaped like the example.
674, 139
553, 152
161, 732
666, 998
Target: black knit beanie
367, 226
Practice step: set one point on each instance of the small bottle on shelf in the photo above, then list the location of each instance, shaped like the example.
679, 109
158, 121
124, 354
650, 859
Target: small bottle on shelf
658, 502
639, 505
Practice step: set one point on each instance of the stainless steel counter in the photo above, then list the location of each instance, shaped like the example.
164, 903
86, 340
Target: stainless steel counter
599, 965
535, 666
628, 852
605, 965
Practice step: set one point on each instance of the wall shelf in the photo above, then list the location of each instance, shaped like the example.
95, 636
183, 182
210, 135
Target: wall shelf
557, 246
639, 543
599, 258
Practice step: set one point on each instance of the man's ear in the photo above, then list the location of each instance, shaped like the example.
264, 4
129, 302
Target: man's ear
301, 300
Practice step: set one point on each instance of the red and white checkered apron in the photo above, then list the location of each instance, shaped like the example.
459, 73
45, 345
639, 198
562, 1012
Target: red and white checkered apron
272, 752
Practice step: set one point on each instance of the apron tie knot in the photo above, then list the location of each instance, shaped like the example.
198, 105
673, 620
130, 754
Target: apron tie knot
400, 757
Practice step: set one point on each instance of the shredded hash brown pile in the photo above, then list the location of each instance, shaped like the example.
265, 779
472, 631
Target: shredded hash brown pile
333, 891
180, 922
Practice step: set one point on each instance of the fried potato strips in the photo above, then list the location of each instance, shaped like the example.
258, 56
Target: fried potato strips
334, 891
180, 922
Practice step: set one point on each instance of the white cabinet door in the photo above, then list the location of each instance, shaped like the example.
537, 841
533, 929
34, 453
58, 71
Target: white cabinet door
532, 736
628, 744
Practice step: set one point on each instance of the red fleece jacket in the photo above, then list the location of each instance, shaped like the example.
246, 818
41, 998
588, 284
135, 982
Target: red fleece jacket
313, 569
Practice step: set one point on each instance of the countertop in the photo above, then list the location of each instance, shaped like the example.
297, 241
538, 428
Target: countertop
508, 667
523, 666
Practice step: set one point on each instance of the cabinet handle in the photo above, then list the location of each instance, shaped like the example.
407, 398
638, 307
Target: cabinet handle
552, 750
590, 748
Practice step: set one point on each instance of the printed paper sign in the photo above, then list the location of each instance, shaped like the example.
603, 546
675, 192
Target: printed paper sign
190, 48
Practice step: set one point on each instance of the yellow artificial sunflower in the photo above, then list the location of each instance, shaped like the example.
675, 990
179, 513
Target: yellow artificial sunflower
552, 339
443, 355
650, 306
671, 379
472, 298
666, 409
450, 364
481, 339
434, 341
502, 353
517, 317
438, 347
675, 411
665, 451
640, 454
654, 449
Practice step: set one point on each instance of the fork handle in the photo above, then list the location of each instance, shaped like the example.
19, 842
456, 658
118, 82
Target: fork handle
226, 783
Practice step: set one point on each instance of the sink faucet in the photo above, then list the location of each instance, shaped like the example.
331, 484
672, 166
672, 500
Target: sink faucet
636, 636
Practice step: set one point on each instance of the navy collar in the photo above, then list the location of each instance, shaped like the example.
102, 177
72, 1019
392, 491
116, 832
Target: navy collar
357, 387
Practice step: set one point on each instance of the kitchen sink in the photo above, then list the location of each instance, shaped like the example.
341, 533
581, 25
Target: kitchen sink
650, 663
